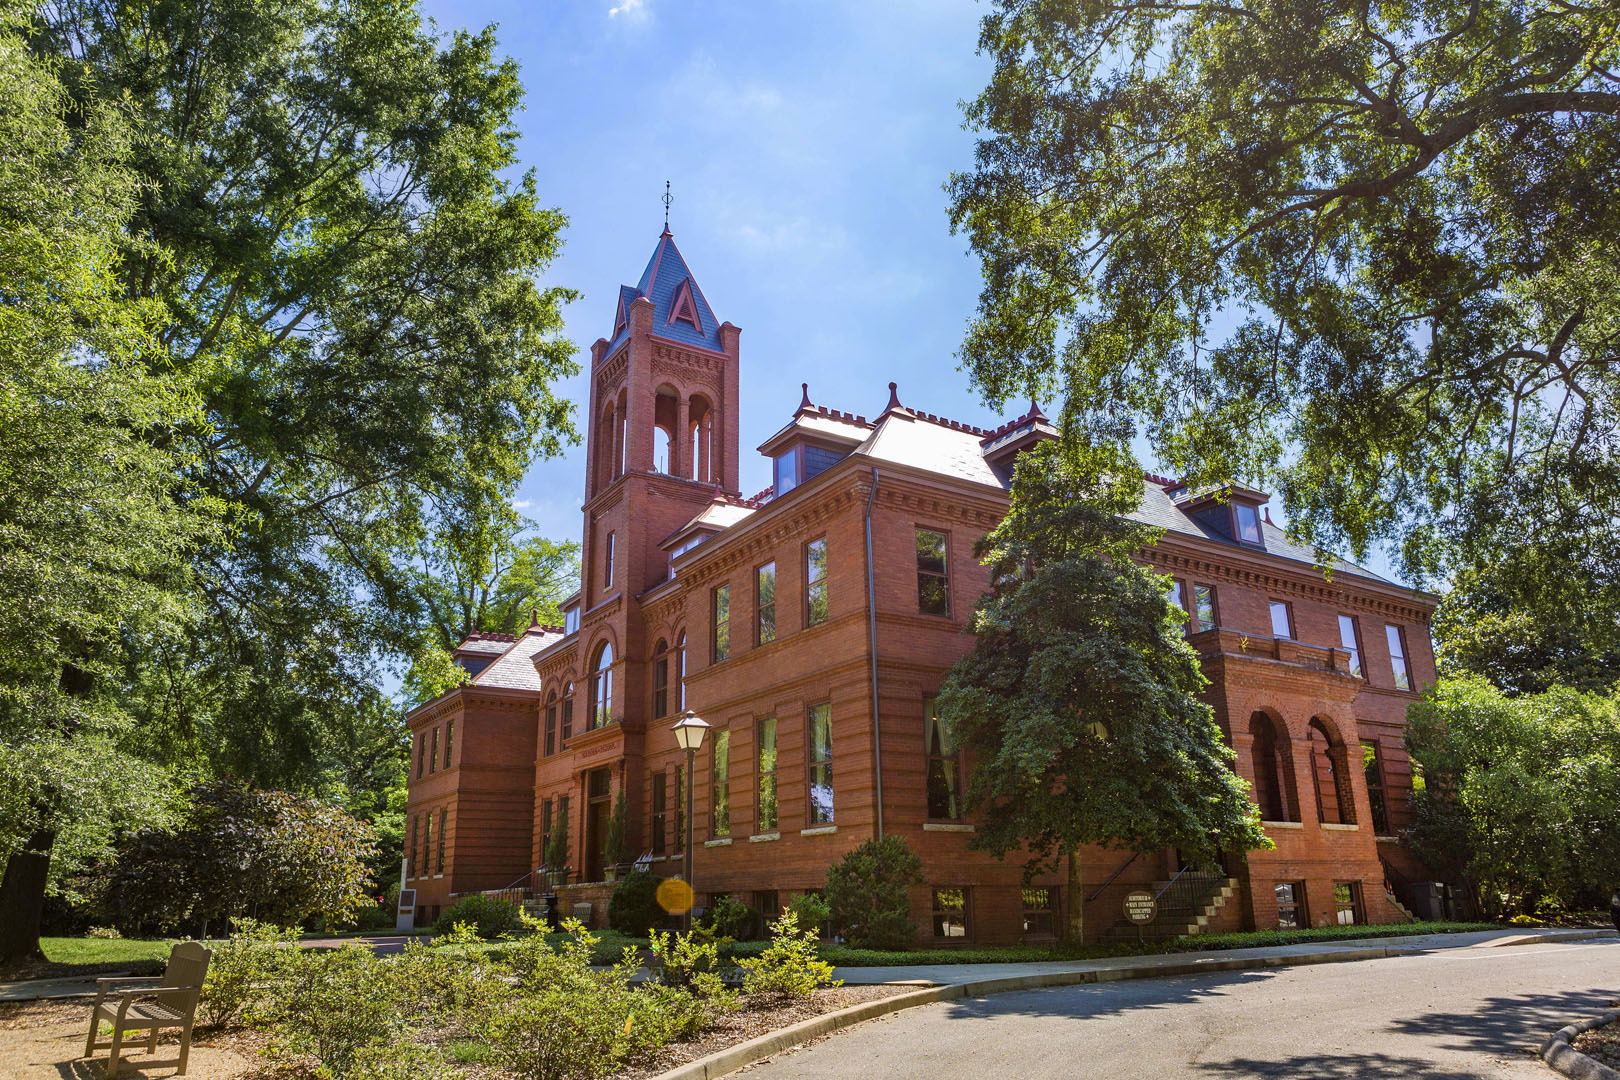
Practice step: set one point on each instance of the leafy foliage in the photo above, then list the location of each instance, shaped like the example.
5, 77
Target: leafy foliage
689, 961
811, 909
790, 966
634, 907
729, 918
279, 857
487, 916
1362, 251
616, 845
867, 892
252, 962
1518, 793
1080, 700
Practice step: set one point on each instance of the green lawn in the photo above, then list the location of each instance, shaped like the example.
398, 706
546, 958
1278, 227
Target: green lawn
101, 953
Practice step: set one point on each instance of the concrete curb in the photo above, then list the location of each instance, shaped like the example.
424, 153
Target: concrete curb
758, 1049
1555, 935
1562, 1057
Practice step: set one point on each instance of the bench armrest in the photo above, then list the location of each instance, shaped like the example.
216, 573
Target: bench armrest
125, 979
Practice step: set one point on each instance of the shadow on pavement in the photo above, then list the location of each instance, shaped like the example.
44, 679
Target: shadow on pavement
1509, 1025
1103, 999
1336, 1067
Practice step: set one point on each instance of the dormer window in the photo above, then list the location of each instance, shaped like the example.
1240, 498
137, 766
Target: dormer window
787, 471
1248, 523
571, 620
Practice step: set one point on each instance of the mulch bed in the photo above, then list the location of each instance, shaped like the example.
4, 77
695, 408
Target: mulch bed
755, 1017
1601, 1045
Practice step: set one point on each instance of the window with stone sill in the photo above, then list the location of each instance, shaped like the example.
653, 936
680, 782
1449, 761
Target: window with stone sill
951, 915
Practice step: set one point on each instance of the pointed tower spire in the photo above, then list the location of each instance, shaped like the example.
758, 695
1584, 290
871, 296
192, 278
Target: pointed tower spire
668, 198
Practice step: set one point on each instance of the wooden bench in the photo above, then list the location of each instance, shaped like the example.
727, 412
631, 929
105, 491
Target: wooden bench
172, 1003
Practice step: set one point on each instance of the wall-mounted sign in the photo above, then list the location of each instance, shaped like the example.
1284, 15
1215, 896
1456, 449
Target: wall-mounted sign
1141, 907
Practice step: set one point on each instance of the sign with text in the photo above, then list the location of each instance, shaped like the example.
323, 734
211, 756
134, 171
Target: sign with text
1141, 907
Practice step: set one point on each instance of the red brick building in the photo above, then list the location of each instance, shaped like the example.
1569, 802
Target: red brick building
810, 625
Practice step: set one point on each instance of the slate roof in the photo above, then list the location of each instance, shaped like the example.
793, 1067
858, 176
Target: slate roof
480, 644
660, 281
958, 450
515, 669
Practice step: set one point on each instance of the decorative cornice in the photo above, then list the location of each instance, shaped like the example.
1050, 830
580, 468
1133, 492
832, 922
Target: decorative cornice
1303, 583
669, 353
764, 531
611, 372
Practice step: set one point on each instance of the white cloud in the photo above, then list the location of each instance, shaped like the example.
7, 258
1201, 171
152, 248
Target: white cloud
522, 504
631, 10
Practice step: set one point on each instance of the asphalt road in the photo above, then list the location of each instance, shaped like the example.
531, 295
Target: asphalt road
1464, 1013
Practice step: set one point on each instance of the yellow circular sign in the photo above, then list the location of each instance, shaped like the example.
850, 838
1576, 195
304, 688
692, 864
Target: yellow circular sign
674, 896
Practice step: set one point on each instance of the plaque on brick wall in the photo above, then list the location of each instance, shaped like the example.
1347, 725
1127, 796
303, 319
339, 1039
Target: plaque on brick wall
1141, 907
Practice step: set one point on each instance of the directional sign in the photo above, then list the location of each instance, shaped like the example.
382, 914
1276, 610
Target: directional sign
1140, 907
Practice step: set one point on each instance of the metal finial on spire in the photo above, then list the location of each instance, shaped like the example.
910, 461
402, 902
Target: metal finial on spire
668, 198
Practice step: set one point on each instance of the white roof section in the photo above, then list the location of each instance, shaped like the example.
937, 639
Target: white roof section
905, 439
721, 514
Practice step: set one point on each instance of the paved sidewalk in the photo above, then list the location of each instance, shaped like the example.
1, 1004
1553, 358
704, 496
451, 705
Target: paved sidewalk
1185, 963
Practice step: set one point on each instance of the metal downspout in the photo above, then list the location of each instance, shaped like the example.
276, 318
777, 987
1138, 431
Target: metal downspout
871, 630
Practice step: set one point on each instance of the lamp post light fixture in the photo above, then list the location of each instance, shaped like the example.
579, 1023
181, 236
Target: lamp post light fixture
689, 731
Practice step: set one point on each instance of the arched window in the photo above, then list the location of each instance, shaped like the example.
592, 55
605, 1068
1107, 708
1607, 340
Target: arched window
601, 700
666, 418
700, 427
660, 680
567, 713
1273, 770
1330, 777
680, 672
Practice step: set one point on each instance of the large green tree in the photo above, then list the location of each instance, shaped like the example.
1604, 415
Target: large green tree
1519, 793
1365, 252
1079, 705
97, 522
313, 208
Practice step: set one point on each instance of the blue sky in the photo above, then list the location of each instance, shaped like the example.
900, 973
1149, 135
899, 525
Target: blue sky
806, 146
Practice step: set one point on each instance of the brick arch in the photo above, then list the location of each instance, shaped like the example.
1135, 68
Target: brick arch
698, 438
1271, 748
667, 410
1330, 772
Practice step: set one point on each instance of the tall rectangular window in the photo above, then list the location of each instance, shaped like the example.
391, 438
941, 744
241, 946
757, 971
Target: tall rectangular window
950, 914
1282, 620
933, 577
607, 563
1290, 904
1347, 903
787, 472
449, 741
765, 603
1397, 656
568, 715
1350, 642
680, 809
1175, 595
720, 785
944, 770
1373, 764
551, 727
433, 753
444, 827
660, 785
427, 841
1248, 523
815, 582
562, 825
421, 754
821, 770
765, 739
661, 686
721, 600
1203, 607
415, 867
545, 829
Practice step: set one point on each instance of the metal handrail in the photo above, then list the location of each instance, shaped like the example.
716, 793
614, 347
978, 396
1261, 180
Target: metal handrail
1113, 877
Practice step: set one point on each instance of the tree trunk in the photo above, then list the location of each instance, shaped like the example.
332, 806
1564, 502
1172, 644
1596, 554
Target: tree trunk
1075, 929
22, 898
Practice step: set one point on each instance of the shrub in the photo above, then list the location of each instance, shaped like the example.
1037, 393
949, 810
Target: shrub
730, 919
690, 961
789, 967
867, 893
634, 908
616, 845
811, 909
490, 916
106, 933
336, 1003
250, 965
562, 1020
399, 1059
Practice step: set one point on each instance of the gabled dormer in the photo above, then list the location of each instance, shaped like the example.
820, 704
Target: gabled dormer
815, 440
1230, 511
1002, 446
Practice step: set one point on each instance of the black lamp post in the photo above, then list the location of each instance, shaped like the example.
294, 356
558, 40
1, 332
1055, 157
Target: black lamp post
689, 732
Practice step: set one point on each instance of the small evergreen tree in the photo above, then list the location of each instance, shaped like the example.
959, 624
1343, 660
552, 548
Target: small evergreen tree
557, 849
867, 892
1079, 702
